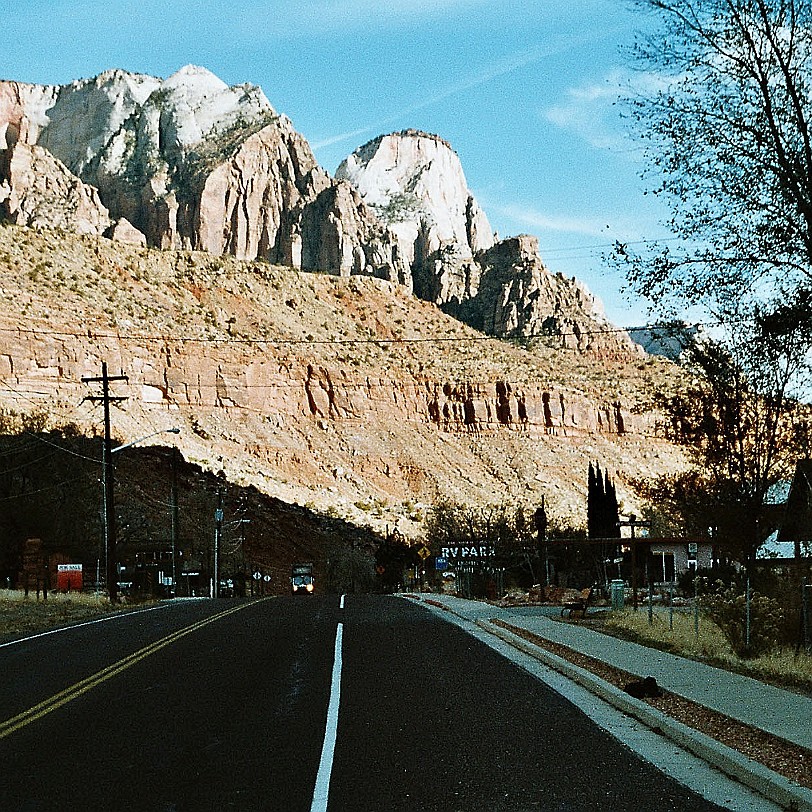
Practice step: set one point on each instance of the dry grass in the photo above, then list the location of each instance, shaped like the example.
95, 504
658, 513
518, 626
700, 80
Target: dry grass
20, 615
682, 637
783, 667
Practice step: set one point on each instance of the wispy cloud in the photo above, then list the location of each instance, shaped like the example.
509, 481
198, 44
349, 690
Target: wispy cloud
563, 224
592, 110
589, 111
496, 69
337, 139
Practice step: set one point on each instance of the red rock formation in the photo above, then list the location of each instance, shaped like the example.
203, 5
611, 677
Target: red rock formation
248, 185
191, 163
519, 298
37, 190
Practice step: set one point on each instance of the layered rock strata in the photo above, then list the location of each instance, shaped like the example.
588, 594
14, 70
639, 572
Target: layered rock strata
347, 393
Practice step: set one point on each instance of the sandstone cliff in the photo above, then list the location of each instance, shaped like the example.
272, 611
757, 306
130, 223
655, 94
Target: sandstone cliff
345, 394
189, 162
37, 190
519, 298
193, 163
415, 182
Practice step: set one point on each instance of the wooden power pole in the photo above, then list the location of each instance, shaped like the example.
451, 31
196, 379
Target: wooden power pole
109, 512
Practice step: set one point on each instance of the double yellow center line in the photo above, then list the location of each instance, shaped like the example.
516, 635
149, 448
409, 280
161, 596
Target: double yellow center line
63, 697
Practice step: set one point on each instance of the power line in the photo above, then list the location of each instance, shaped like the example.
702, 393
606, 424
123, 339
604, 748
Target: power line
9, 450
91, 482
355, 341
27, 464
73, 453
36, 437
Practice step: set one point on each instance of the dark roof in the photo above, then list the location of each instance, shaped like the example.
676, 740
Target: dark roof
797, 524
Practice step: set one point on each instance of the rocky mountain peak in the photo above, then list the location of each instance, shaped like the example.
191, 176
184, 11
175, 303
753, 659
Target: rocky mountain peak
193, 163
518, 297
189, 162
194, 104
415, 183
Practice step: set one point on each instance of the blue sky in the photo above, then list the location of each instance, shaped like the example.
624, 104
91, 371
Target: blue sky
523, 90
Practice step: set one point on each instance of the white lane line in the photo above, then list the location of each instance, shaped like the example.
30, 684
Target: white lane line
84, 623
341, 602
322, 789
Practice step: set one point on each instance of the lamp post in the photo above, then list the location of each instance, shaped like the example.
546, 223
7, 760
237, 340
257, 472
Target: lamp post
174, 518
633, 523
109, 502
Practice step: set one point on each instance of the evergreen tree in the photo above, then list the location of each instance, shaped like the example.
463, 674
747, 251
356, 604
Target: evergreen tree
612, 510
602, 506
592, 504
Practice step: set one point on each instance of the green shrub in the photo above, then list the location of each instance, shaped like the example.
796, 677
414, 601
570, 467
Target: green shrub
726, 606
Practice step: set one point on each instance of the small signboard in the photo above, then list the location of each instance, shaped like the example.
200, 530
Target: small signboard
68, 577
472, 551
440, 563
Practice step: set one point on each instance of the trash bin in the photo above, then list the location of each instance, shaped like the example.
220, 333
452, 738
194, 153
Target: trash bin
617, 593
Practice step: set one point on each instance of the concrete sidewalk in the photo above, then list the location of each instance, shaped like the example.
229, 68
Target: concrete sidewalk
775, 710
781, 712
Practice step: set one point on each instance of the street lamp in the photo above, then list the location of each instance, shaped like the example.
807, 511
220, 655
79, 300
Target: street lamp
633, 522
109, 506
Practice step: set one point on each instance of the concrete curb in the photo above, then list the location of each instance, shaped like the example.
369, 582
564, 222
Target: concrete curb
778, 789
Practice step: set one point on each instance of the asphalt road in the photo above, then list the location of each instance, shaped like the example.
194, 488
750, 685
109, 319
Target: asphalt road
220, 705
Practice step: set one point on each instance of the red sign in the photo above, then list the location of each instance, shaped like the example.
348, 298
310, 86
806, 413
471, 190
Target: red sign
68, 577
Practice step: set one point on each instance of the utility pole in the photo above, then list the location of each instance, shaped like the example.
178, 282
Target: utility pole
109, 512
244, 577
174, 500
218, 534
540, 520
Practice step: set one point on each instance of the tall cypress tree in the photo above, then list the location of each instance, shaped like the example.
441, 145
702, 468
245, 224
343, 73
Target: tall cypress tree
594, 499
611, 510
602, 506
